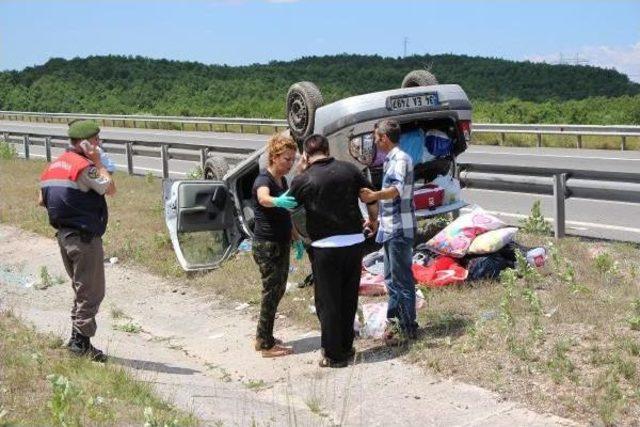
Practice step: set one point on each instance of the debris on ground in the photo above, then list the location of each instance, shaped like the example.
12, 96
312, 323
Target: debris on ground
245, 246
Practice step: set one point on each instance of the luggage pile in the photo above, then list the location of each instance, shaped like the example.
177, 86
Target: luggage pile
475, 246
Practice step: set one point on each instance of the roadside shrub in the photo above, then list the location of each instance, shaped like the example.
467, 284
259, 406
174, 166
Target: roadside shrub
7, 151
535, 222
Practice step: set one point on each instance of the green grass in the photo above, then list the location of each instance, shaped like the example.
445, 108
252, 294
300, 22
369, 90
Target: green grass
7, 151
129, 327
255, 385
542, 337
40, 384
585, 358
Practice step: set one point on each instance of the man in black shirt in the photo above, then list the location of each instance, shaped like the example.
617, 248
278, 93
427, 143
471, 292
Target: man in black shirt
329, 191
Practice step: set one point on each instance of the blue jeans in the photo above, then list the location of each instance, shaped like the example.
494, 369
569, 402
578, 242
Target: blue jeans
398, 254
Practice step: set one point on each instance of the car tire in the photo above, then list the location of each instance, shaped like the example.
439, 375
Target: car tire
215, 168
303, 99
419, 78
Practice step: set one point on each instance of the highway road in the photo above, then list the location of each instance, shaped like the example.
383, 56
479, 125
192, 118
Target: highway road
598, 219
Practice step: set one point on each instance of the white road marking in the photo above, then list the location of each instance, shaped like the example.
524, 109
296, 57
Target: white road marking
550, 197
218, 136
577, 225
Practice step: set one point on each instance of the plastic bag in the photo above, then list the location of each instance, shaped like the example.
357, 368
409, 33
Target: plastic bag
245, 246
374, 262
451, 187
375, 320
412, 143
438, 143
421, 301
537, 257
106, 161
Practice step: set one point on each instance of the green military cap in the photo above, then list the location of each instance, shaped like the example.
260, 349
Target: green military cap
83, 129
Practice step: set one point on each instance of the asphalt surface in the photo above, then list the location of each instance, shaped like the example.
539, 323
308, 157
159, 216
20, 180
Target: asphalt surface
601, 160
219, 139
590, 218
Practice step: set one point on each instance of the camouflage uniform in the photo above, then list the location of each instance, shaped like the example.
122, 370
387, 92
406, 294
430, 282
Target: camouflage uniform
273, 261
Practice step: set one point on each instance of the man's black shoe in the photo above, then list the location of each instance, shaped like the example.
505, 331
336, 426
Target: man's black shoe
326, 362
412, 334
308, 281
81, 346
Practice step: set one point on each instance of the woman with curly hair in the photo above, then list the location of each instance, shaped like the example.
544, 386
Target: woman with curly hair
272, 238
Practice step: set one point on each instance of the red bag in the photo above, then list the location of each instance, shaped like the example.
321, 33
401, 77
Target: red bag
442, 271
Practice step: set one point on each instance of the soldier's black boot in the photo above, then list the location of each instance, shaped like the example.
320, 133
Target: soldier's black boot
73, 337
81, 346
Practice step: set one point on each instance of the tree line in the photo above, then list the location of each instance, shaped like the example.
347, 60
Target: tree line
501, 90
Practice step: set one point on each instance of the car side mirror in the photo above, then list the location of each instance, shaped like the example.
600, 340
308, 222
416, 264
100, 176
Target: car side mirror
363, 148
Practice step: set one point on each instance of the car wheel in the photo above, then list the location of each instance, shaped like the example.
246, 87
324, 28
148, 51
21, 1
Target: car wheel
303, 99
215, 168
419, 78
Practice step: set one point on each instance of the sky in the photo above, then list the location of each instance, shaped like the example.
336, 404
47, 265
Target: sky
239, 32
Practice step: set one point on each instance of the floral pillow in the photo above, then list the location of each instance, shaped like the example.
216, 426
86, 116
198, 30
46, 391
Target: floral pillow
492, 241
454, 240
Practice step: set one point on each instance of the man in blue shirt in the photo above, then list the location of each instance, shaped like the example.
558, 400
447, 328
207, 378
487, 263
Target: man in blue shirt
396, 232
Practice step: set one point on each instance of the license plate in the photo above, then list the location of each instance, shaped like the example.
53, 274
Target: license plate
408, 102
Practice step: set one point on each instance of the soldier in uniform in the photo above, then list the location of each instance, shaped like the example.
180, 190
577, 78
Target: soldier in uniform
73, 190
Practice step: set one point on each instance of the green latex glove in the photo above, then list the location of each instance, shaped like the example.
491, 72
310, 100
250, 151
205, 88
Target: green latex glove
298, 247
285, 201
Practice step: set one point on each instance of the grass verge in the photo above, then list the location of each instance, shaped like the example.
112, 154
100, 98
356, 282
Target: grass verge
560, 339
564, 339
41, 385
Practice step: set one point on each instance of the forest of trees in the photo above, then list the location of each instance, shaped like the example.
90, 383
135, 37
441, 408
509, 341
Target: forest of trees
501, 90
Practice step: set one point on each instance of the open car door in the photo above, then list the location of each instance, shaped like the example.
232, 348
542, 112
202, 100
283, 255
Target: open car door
201, 219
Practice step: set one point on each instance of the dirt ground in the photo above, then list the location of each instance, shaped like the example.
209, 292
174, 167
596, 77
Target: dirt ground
197, 351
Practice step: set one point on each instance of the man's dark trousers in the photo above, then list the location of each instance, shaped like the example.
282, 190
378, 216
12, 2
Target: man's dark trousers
337, 278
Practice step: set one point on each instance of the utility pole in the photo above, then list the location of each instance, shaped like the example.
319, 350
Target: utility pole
580, 61
406, 40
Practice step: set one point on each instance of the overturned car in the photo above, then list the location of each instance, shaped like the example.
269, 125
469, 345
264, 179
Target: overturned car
208, 219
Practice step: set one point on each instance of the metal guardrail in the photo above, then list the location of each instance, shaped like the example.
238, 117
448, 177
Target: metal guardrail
561, 183
539, 130
130, 148
273, 125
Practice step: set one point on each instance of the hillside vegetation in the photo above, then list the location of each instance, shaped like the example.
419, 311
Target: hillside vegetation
502, 91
